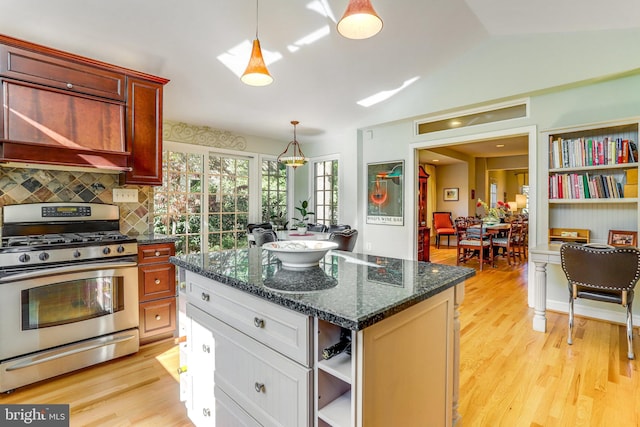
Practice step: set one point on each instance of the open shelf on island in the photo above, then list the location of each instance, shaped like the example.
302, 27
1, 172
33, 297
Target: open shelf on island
338, 412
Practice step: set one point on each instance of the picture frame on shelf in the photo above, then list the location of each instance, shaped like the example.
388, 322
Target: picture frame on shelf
623, 238
451, 194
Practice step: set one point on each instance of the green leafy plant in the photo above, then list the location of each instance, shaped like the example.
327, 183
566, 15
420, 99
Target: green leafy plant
279, 220
304, 213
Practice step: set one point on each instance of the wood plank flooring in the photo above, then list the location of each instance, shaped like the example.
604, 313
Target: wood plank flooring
510, 375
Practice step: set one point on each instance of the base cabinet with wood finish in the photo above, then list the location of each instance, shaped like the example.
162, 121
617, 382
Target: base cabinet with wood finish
250, 362
156, 292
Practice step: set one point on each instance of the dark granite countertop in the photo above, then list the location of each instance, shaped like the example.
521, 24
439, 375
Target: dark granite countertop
151, 239
356, 290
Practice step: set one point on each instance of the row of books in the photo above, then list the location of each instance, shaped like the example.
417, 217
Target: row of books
584, 186
580, 152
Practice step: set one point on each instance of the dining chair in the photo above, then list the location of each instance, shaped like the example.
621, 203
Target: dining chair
505, 241
346, 239
322, 228
262, 236
443, 226
338, 227
474, 242
252, 226
601, 273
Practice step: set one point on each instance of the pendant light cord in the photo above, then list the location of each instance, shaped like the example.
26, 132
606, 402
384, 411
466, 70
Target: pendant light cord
257, 19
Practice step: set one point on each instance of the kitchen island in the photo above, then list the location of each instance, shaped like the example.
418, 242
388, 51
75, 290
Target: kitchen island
256, 333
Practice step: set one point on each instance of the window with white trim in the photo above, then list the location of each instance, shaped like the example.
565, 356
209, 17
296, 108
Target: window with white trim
325, 175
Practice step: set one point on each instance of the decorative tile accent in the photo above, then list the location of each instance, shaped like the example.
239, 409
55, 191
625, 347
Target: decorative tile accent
21, 185
201, 135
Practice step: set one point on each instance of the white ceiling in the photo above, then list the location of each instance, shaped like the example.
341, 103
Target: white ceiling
317, 83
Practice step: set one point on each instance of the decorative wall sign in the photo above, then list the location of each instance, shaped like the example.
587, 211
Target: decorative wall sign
385, 195
450, 194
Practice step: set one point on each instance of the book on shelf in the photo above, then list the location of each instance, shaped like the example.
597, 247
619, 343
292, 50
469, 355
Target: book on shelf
584, 186
581, 152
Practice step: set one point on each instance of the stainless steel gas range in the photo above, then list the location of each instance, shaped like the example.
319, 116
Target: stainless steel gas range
68, 290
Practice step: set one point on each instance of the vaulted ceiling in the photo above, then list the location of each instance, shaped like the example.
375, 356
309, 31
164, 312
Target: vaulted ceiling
203, 46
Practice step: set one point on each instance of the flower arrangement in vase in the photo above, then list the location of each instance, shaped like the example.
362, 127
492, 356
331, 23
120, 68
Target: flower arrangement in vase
493, 215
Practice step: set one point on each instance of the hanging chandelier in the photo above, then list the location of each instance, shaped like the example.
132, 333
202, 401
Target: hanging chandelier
296, 157
360, 20
256, 73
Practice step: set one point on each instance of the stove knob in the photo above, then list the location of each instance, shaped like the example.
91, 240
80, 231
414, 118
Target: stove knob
43, 256
120, 249
24, 258
106, 251
77, 254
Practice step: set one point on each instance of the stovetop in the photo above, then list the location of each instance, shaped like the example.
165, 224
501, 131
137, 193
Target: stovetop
46, 234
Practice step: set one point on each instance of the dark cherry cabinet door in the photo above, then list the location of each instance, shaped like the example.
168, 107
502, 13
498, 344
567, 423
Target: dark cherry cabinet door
144, 132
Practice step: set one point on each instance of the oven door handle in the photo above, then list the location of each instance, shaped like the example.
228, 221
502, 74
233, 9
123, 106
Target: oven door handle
75, 268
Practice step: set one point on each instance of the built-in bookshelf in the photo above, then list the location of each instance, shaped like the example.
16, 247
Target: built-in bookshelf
592, 177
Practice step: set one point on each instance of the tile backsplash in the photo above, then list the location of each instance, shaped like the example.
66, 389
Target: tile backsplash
22, 185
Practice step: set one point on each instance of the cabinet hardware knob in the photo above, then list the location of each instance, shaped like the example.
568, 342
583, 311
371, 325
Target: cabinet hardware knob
182, 369
158, 317
259, 387
205, 297
157, 281
157, 253
206, 412
69, 86
183, 286
258, 323
206, 348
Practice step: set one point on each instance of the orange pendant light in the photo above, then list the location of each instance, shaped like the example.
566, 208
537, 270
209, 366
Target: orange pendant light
360, 20
256, 73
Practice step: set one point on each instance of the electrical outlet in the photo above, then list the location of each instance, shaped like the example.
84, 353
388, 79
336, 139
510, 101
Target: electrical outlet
368, 246
125, 195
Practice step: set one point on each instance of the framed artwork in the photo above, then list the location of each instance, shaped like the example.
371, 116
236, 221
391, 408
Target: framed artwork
623, 238
450, 194
385, 194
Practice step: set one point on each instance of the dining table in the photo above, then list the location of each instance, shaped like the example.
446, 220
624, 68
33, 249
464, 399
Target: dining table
296, 235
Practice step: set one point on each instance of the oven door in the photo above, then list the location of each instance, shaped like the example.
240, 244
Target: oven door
52, 307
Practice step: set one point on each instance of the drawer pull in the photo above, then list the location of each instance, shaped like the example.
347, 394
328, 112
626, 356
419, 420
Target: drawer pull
259, 387
258, 323
206, 348
157, 281
205, 297
158, 317
182, 369
206, 412
69, 86
157, 253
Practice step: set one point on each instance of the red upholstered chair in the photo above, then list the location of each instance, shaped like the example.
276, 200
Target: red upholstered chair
443, 224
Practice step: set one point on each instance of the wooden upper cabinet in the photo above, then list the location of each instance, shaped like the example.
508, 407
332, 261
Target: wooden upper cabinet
64, 109
70, 76
144, 132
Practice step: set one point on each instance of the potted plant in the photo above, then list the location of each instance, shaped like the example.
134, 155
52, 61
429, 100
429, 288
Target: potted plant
279, 221
301, 223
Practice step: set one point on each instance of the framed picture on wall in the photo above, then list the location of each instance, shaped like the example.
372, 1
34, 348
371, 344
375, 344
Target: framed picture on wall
623, 238
450, 194
385, 194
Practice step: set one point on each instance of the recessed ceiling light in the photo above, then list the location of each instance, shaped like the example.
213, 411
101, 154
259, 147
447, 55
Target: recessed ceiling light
435, 160
455, 123
499, 145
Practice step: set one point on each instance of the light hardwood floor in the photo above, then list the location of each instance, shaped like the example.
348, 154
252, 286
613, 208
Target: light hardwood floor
509, 374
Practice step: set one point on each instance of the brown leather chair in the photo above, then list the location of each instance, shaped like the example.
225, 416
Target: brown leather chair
601, 273
443, 225
317, 227
262, 236
345, 239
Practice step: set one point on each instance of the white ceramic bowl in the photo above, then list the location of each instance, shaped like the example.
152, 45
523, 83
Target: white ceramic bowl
296, 254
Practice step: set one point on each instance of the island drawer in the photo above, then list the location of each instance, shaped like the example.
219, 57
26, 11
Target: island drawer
273, 389
284, 330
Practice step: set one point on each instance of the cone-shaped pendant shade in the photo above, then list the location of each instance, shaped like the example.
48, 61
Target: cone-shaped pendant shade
256, 73
360, 20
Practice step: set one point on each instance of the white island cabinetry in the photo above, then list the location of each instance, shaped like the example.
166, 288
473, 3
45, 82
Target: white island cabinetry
251, 362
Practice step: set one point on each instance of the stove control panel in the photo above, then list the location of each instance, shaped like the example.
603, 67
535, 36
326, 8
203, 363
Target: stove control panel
27, 256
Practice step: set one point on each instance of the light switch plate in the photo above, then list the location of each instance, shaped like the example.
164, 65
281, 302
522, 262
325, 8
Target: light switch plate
125, 195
